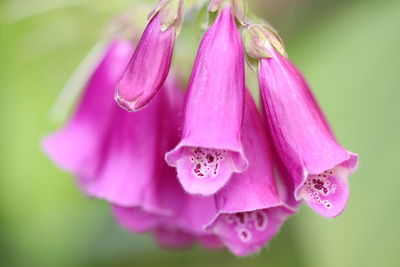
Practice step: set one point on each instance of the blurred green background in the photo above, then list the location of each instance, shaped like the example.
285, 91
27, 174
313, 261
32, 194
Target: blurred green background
348, 50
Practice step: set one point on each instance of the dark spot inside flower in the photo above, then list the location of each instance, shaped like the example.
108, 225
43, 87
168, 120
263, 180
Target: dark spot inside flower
240, 216
197, 169
319, 185
215, 168
260, 219
210, 158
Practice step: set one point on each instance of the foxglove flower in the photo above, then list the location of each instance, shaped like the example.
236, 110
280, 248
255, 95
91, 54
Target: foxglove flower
149, 66
318, 165
210, 149
182, 224
76, 147
128, 163
250, 210
175, 217
112, 151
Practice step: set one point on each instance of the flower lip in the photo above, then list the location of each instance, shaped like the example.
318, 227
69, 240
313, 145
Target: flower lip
204, 171
248, 231
327, 192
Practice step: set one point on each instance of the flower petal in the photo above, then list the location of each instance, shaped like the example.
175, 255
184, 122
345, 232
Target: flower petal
250, 211
301, 134
135, 219
247, 232
76, 147
213, 112
327, 193
148, 67
174, 238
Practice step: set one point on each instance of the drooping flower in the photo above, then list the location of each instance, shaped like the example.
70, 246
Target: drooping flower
150, 64
210, 149
111, 151
244, 215
173, 216
181, 224
75, 148
131, 148
318, 165
250, 209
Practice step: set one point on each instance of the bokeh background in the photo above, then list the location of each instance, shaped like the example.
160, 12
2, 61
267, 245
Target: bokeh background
350, 52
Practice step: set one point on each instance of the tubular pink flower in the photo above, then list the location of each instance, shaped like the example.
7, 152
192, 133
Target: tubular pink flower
113, 152
175, 217
131, 148
148, 68
210, 149
250, 211
318, 165
172, 230
75, 148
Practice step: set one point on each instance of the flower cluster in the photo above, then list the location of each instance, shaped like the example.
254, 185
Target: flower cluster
205, 165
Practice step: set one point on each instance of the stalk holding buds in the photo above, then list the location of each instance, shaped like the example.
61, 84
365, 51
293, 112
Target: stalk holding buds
239, 8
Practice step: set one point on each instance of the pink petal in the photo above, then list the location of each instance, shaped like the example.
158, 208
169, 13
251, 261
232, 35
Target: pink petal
148, 67
213, 112
250, 211
173, 238
247, 232
135, 219
327, 193
76, 148
301, 134
129, 156
133, 167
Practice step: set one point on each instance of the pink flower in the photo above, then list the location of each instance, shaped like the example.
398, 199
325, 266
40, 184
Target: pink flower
210, 149
244, 215
175, 217
318, 165
250, 210
75, 148
149, 66
112, 152
119, 156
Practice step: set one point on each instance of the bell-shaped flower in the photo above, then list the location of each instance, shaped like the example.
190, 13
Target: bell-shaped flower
250, 210
181, 225
173, 216
76, 148
150, 64
131, 146
210, 149
318, 165
111, 151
